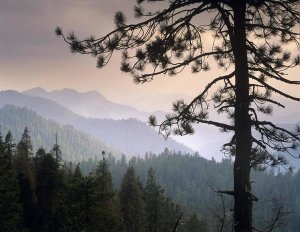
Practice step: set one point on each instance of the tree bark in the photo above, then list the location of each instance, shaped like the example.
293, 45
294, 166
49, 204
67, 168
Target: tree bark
242, 185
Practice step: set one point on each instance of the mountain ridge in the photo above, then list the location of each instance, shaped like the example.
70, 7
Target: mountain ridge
79, 102
75, 145
130, 136
91, 104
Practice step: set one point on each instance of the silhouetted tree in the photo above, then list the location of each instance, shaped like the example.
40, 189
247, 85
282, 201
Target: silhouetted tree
26, 180
9, 148
74, 197
84, 210
131, 203
247, 37
48, 187
56, 151
103, 175
25, 145
10, 208
153, 203
105, 201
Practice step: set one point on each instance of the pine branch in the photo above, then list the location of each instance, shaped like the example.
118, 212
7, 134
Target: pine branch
277, 76
274, 89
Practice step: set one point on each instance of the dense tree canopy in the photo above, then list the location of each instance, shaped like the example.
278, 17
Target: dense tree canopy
56, 197
39, 193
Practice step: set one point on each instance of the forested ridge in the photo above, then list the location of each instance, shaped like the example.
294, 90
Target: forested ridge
129, 136
75, 144
193, 182
40, 192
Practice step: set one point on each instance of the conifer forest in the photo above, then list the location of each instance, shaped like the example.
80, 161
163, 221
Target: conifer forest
188, 121
41, 192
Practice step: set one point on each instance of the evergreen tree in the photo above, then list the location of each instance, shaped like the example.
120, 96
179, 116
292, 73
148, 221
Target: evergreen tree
246, 43
25, 145
10, 208
103, 175
171, 213
67, 170
77, 173
153, 203
81, 203
26, 180
27, 201
9, 148
193, 224
85, 202
48, 188
105, 200
39, 157
24, 153
73, 197
131, 203
56, 151
88, 212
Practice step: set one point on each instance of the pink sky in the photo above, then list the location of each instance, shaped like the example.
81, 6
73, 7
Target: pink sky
31, 55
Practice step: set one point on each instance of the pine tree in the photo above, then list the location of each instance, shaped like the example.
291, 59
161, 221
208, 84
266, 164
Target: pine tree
193, 224
10, 208
77, 173
48, 187
81, 203
56, 151
105, 201
246, 44
9, 148
131, 203
89, 211
26, 180
25, 145
153, 203
103, 175
39, 157
24, 153
73, 201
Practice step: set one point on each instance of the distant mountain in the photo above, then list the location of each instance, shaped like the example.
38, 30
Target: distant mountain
75, 145
91, 104
130, 136
207, 140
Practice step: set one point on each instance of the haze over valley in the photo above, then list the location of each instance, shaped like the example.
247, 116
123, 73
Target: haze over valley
129, 136
149, 116
123, 127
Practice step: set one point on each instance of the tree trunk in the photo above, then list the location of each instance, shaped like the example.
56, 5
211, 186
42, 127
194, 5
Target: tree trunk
242, 185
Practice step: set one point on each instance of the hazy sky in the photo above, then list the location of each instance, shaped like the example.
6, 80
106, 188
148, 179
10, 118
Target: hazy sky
31, 55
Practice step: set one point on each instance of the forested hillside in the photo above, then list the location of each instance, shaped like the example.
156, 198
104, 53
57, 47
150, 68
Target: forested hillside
193, 181
75, 144
97, 193
206, 139
93, 104
38, 192
129, 136
190, 180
